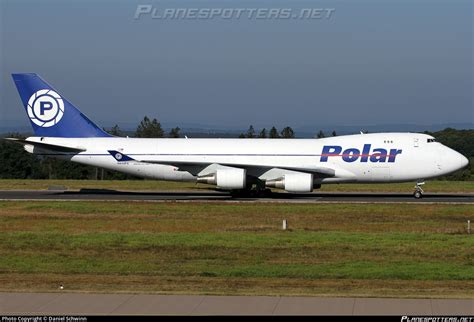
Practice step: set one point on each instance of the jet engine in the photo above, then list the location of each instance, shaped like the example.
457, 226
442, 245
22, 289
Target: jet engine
229, 178
293, 182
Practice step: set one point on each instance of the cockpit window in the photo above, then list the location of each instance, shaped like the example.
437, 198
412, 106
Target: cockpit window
431, 140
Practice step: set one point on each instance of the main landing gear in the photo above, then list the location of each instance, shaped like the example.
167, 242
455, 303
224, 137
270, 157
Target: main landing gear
252, 193
418, 193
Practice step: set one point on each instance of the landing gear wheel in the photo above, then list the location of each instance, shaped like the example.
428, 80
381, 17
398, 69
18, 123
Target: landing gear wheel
265, 193
418, 194
251, 193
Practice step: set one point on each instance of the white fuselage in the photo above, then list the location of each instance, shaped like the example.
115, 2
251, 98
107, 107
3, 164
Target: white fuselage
353, 158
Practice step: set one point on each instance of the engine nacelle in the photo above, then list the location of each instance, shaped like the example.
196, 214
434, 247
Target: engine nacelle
226, 178
293, 182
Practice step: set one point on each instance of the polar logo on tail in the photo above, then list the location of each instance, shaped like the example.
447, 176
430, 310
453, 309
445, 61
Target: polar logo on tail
45, 108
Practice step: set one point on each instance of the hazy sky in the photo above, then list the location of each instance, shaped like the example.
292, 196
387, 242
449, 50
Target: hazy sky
371, 62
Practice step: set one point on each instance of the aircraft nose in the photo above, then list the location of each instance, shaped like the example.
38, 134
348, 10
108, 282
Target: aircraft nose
451, 160
457, 160
463, 161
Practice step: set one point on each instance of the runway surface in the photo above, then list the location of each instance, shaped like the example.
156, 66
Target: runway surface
129, 304
319, 197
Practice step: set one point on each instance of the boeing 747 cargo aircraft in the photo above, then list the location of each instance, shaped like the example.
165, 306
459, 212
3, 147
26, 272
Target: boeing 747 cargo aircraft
296, 165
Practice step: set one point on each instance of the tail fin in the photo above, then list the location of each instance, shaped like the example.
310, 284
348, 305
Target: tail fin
50, 114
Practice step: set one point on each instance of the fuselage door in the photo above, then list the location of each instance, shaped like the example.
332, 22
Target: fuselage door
415, 142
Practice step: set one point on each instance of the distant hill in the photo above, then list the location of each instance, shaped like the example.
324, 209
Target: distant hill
308, 131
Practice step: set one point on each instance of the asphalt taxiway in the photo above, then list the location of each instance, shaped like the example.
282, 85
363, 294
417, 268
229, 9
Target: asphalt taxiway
207, 196
139, 304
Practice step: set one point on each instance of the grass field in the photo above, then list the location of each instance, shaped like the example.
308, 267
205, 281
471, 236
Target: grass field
153, 185
215, 248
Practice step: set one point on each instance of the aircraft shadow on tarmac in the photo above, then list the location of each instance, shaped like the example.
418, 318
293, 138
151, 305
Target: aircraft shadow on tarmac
214, 194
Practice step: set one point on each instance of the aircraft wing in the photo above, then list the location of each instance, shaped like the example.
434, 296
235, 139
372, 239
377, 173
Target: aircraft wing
196, 167
193, 166
46, 146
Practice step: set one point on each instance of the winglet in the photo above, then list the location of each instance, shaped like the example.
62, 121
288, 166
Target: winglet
120, 157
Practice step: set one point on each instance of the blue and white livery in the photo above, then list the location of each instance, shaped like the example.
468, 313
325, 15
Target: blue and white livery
297, 165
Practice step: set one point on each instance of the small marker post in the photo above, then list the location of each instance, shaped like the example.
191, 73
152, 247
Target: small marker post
285, 224
469, 227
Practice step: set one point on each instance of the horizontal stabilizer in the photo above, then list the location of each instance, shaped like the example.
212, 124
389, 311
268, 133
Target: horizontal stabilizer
46, 146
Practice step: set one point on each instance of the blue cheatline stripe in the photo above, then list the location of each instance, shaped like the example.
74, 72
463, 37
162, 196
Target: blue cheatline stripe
233, 154
166, 154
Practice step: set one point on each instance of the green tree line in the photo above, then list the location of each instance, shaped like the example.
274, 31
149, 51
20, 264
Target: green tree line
18, 164
273, 133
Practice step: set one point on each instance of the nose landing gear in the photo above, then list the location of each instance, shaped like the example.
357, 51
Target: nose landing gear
418, 193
